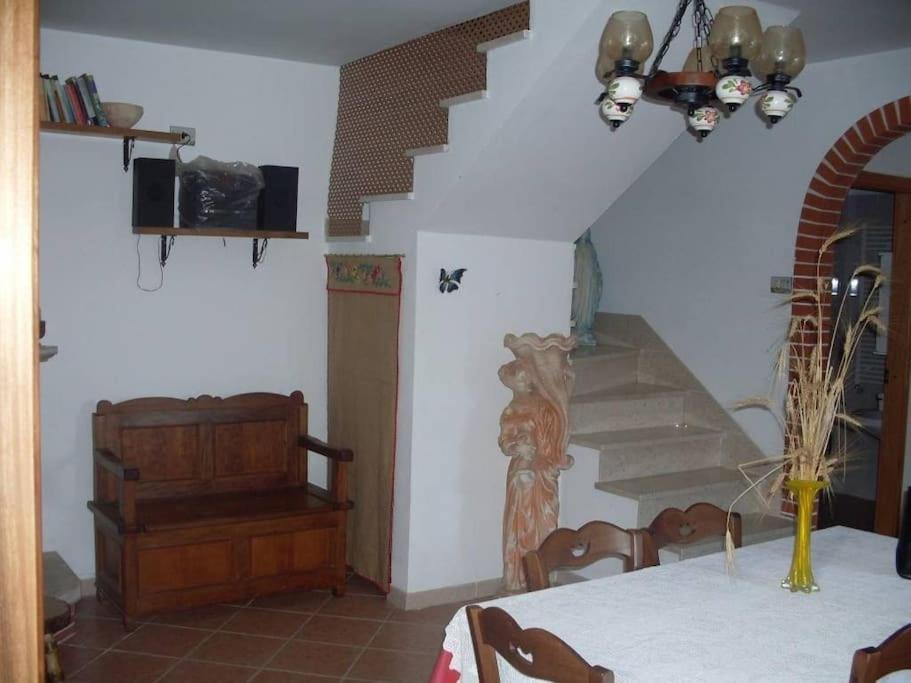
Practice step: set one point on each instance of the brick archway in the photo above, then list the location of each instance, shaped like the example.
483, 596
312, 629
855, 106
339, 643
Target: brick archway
822, 208
829, 187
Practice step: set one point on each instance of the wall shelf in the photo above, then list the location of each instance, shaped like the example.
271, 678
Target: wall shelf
128, 135
112, 132
223, 232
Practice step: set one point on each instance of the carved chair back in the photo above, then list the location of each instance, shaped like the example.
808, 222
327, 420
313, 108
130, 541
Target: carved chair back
696, 523
577, 548
893, 654
533, 652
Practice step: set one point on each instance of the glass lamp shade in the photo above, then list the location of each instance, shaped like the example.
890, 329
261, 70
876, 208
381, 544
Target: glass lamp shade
692, 62
627, 35
783, 52
736, 33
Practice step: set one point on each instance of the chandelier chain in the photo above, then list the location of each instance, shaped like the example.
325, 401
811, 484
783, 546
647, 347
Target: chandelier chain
669, 37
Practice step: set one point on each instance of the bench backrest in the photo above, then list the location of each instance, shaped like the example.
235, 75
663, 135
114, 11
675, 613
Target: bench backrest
204, 445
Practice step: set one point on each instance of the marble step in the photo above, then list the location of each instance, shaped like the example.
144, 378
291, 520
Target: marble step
59, 580
631, 453
757, 527
604, 366
626, 406
716, 485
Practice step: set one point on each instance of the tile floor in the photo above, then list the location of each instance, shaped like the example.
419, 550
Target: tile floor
307, 637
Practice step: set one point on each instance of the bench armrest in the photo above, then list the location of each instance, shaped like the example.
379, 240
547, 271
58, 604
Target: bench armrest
338, 454
104, 458
339, 459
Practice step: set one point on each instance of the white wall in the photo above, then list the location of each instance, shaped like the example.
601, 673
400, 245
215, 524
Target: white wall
894, 159
457, 470
216, 326
691, 245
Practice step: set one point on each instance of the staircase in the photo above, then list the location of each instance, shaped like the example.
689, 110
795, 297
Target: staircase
649, 436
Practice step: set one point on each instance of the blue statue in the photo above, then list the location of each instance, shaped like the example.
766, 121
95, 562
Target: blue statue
587, 293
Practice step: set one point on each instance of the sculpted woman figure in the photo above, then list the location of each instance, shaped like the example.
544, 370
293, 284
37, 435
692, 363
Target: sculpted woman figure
534, 433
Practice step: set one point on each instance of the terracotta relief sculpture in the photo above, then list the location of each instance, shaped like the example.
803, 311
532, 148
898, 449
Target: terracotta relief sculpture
534, 433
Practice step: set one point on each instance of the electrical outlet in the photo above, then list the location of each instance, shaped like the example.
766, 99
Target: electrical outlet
187, 131
781, 284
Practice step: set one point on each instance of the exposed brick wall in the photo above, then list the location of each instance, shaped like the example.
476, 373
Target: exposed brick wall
389, 102
825, 198
829, 187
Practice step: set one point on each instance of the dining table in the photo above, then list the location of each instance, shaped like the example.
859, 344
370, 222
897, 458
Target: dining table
702, 619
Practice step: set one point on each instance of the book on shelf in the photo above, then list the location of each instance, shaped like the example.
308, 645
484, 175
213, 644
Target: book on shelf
72, 96
86, 99
43, 107
74, 101
96, 100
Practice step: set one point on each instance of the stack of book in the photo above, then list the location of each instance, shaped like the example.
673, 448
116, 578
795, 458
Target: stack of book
73, 101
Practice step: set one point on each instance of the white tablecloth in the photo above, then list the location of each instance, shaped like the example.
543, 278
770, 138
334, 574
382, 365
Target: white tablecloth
692, 621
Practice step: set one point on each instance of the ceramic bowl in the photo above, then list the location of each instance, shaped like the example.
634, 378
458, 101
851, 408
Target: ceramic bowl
122, 114
776, 103
733, 90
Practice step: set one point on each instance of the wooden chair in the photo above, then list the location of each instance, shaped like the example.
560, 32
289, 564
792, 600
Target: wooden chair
698, 522
893, 654
533, 652
574, 549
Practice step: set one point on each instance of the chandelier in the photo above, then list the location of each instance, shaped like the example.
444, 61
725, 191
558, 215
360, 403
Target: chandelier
726, 50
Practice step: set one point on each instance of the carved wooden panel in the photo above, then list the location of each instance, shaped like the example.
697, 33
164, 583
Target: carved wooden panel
250, 448
163, 453
288, 553
390, 102
186, 566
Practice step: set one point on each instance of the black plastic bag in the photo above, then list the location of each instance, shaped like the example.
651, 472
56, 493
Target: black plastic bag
218, 194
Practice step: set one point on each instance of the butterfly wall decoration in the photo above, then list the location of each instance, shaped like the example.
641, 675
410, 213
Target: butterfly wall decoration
449, 282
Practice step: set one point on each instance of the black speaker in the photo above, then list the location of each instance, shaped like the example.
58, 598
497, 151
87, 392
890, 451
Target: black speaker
153, 192
278, 199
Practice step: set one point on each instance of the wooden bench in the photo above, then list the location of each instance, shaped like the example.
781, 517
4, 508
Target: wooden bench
207, 500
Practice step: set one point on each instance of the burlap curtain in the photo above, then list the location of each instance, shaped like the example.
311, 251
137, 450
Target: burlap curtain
364, 294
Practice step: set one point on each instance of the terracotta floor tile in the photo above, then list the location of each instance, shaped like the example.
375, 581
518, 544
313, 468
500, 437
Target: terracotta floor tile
123, 666
315, 658
72, 659
360, 606
339, 630
100, 633
90, 607
412, 637
440, 614
210, 617
288, 677
303, 601
263, 622
207, 672
235, 648
400, 667
359, 586
158, 639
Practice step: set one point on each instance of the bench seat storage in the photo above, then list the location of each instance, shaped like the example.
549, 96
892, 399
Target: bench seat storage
208, 500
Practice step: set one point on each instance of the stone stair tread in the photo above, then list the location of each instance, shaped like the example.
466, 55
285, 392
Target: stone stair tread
602, 350
658, 484
643, 436
757, 527
632, 391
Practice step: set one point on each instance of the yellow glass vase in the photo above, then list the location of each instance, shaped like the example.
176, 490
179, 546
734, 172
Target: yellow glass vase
800, 578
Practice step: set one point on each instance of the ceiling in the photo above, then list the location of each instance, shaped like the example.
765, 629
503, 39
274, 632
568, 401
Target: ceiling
843, 28
317, 31
338, 31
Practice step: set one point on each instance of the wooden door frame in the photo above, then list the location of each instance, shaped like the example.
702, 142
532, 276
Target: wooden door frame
892, 445
21, 606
